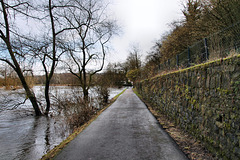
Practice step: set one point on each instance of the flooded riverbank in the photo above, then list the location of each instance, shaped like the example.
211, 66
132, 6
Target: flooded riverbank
24, 136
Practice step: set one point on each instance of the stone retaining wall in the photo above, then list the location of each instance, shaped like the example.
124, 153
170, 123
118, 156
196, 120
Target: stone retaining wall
204, 100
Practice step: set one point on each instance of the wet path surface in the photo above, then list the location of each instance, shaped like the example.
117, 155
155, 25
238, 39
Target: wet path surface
126, 130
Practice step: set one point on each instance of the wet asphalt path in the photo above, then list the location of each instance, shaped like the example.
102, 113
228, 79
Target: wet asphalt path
125, 131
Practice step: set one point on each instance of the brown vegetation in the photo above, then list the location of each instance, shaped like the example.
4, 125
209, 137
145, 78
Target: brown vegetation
210, 19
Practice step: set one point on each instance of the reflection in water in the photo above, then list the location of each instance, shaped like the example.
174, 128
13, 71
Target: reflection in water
47, 134
29, 137
23, 136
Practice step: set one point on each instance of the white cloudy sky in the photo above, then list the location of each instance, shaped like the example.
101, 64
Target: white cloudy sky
142, 22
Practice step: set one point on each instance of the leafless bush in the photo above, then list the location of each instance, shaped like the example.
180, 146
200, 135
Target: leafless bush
103, 94
73, 107
9, 101
78, 119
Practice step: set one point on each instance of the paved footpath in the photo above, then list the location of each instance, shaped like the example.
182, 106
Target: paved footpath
125, 131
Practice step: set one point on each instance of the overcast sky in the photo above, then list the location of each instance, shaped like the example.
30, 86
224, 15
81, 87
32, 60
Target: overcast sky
142, 22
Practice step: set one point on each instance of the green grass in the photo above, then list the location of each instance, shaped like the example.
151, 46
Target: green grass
136, 92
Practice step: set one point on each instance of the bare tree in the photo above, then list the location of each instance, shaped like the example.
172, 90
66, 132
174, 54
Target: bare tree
10, 52
87, 47
154, 56
50, 47
220, 14
134, 58
51, 51
47, 47
81, 23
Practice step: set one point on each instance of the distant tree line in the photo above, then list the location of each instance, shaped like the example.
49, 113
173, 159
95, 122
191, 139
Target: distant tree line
123, 74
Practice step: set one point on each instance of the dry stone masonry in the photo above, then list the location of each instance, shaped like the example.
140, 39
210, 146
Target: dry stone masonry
204, 100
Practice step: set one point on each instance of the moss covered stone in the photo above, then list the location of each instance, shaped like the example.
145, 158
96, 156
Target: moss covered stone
204, 100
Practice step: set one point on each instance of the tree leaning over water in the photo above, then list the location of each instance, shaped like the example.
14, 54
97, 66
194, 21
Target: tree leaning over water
12, 51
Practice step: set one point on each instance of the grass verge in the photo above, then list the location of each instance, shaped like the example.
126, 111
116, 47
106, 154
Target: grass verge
189, 145
59, 147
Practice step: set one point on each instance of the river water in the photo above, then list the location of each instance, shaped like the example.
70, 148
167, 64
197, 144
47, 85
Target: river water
26, 137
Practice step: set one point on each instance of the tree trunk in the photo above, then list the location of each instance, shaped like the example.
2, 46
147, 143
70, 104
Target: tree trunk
49, 76
85, 95
35, 105
47, 98
29, 93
